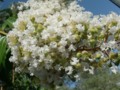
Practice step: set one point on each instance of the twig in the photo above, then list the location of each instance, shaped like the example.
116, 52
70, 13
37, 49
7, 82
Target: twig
89, 49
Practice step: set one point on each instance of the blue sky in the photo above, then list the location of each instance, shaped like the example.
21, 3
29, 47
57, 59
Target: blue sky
95, 6
100, 6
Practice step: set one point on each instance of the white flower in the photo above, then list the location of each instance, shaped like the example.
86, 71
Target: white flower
45, 35
72, 48
90, 70
35, 64
112, 44
113, 30
53, 45
31, 74
20, 7
80, 27
58, 67
63, 42
91, 60
104, 46
77, 77
114, 69
61, 49
74, 61
18, 69
69, 70
13, 59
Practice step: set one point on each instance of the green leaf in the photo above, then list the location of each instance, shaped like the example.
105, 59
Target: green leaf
4, 25
8, 24
10, 21
3, 49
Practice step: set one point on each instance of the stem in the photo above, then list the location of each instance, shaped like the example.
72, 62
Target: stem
13, 74
106, 38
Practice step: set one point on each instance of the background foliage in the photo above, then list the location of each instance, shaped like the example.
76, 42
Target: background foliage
7, 17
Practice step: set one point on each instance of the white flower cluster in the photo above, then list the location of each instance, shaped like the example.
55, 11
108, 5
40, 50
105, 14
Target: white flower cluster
55, 38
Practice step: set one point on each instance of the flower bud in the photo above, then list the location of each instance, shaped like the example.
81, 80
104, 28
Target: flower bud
78, 54
85, 52
98, 56
78, 65
59, 18
77, 37
40, 27
35, 25
85, 55
32, 19
52, 54
75, 31
53, 39
93, 30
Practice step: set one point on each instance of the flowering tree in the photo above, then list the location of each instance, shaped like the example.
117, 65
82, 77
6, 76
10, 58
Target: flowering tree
56, 39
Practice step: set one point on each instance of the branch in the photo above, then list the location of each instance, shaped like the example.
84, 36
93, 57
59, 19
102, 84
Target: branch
106, 38
92, 49
89, 49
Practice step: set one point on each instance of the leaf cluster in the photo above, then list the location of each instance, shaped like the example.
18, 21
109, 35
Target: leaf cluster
7, 17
